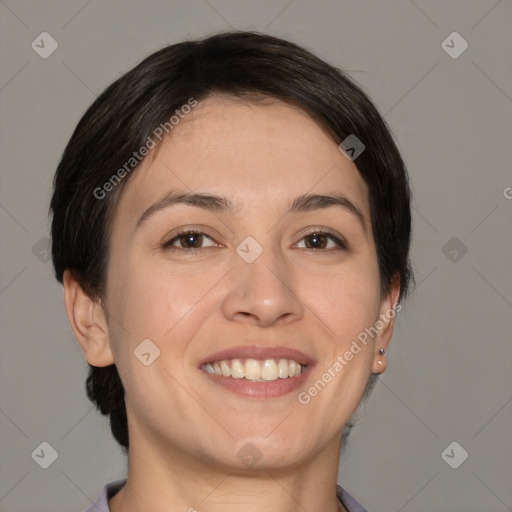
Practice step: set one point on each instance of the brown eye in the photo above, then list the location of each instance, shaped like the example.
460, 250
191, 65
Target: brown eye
187, 240
320, 240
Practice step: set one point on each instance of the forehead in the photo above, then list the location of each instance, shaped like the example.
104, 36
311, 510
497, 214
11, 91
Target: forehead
258, 154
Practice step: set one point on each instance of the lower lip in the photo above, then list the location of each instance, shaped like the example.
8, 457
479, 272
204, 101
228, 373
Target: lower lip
270, 389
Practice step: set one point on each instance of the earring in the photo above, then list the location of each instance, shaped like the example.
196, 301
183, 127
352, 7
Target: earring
382, 352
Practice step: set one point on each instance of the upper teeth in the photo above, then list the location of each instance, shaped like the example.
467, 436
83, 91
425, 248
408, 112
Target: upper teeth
253, 369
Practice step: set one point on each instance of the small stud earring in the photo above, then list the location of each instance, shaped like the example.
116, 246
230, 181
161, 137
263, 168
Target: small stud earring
382, 352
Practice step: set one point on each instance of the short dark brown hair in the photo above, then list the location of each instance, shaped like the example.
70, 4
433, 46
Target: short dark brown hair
244, 65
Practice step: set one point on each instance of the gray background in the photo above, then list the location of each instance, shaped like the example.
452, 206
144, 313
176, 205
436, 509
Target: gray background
449, 376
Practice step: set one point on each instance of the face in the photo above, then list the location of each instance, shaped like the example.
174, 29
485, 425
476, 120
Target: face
262, 284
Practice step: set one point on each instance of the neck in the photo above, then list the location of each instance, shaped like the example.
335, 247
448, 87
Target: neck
193, 484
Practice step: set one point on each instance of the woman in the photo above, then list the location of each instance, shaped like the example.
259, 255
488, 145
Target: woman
231, 224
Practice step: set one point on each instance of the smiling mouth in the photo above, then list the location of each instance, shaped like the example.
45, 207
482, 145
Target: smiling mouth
255, 370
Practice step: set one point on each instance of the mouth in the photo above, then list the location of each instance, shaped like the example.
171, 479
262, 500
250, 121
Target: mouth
256, 371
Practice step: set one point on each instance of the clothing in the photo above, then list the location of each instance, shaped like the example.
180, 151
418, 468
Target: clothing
112, 488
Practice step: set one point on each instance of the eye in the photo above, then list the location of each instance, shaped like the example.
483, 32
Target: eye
189, 240
319, 239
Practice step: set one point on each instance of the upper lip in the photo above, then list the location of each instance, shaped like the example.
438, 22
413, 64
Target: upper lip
258, 352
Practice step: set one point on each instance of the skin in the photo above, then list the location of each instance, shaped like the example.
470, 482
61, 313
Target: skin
185, 432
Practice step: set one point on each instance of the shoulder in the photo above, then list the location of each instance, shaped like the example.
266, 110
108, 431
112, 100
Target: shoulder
349, 502
110, 489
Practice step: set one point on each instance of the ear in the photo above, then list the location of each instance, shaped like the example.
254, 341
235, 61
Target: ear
385, 323
87, 319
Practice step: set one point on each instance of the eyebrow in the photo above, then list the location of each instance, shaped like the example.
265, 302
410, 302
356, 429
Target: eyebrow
302, 203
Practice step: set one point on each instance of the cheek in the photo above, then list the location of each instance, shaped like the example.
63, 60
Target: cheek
348, 300
149, 298
155, 303
349, 305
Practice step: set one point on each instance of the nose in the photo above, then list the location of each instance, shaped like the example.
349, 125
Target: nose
262, 292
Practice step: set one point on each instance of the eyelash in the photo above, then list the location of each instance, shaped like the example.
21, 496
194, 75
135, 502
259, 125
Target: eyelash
342, 245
